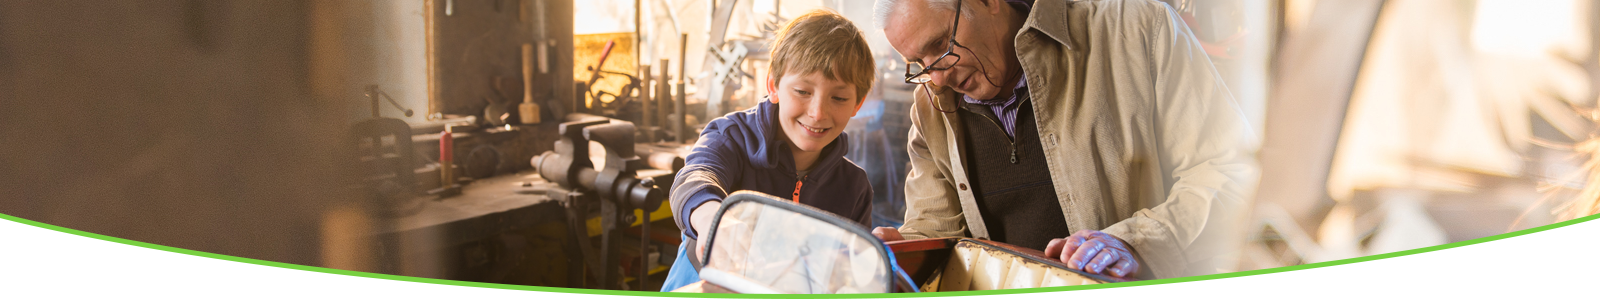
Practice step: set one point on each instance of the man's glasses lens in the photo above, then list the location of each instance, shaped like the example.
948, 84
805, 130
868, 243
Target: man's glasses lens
917, 74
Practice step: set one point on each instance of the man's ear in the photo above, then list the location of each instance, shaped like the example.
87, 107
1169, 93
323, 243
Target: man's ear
772, 90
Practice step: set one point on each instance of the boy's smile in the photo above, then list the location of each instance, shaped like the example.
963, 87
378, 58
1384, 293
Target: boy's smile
816, 131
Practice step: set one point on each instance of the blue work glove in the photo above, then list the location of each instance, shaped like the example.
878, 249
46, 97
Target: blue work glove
1094, 252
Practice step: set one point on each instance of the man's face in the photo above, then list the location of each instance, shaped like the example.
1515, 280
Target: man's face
922, 34
813, 110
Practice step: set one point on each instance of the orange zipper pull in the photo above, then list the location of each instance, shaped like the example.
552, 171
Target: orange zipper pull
797, 184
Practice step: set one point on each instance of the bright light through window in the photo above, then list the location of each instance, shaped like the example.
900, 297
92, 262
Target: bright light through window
602, 16
1525, 28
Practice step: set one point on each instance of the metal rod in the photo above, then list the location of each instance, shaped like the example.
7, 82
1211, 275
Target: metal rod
664, 99
610, 271
375, 92
682, 108
638, 33
372, 91
646, 114
644, 248
644, 71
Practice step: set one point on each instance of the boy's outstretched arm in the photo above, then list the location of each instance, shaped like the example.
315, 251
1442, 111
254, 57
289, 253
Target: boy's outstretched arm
713, 161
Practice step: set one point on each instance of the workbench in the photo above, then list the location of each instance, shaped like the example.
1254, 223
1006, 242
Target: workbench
502, 229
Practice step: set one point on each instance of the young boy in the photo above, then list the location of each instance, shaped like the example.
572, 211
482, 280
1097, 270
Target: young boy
791, 145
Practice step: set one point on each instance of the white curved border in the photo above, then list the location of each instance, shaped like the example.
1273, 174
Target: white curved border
42, 263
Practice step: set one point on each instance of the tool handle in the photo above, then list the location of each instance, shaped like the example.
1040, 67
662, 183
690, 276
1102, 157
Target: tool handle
595, 75
446, 156
603, 55
527, 73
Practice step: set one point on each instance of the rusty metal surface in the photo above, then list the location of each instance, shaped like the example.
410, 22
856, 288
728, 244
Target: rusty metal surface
485, 205
497, 230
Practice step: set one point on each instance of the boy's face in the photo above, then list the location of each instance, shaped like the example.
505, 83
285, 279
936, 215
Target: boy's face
812, 109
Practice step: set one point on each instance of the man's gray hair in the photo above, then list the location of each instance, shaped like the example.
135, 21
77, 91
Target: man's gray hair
885, 8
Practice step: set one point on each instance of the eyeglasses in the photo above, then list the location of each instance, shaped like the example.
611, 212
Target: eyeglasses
916, 73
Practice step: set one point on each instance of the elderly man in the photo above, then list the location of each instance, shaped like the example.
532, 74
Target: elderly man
1097, 131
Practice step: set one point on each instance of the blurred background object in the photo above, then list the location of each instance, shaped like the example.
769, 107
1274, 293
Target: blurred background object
1443, 121
193, 124
310, 132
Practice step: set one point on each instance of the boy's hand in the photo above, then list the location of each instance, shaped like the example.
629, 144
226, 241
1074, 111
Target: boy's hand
700, 221
887, 234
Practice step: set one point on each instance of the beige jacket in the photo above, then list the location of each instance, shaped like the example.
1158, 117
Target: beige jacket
1142, 139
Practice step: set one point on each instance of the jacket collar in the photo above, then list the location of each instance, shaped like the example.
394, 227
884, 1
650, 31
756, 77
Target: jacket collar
1050, 18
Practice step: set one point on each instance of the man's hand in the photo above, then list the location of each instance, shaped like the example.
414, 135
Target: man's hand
887, 234
1095, 252
700, 221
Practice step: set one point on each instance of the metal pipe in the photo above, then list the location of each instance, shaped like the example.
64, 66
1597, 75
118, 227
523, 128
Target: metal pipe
645, 111
682, 108
665, 160
638, 34
644, 248
644, 71
664, 99
372, 91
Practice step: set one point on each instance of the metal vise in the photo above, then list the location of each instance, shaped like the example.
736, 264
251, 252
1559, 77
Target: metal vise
616, 185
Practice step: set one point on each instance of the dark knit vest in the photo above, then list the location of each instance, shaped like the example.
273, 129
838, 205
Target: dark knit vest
1015, 198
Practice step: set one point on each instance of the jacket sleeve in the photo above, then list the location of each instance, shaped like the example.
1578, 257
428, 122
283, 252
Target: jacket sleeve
933, 209
1206, 151
706, 174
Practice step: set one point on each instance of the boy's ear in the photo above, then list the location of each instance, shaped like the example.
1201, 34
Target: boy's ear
772, 90
859, 102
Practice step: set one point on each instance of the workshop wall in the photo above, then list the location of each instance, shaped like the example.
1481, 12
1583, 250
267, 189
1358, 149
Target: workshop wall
371, 42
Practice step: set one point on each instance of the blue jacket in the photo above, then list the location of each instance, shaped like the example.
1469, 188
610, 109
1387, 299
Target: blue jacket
747, 150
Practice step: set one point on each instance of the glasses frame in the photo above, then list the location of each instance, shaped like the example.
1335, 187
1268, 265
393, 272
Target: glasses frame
948, 52
924, 75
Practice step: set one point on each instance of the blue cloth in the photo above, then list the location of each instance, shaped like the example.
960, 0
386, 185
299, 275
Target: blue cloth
681, 274
747, 150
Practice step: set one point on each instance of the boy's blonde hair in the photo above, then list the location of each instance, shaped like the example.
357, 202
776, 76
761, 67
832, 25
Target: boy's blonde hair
824, 41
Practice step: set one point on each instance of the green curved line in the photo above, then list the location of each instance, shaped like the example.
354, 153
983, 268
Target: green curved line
737, 296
